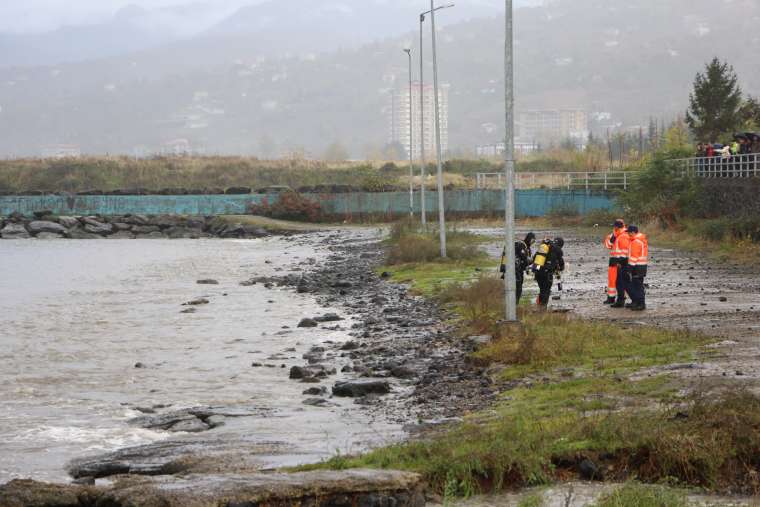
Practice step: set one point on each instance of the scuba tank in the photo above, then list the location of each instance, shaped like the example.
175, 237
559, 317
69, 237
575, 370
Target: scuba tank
542, 254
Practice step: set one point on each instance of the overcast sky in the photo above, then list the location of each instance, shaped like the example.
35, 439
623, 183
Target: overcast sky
41, 15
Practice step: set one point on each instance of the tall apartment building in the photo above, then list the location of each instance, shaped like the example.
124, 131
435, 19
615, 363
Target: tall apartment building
398, 119
553, 125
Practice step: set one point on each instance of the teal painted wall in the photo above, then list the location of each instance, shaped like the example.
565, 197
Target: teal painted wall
534, 203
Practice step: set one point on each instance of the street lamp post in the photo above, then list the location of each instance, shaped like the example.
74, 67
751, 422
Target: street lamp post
411, 140
439, 151
510, 281
423, 169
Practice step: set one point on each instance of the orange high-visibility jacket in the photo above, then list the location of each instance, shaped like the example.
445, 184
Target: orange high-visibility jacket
638, 251
621, 246
612, 270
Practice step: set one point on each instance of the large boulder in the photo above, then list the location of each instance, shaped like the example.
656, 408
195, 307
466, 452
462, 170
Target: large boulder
39, 226
79, 233
14, 231
360, 387
145, 229
68, 222
95, 226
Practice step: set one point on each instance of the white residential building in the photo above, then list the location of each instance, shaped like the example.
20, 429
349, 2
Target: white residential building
399, 124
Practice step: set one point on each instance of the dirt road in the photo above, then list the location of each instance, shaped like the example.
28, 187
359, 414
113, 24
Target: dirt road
685, 291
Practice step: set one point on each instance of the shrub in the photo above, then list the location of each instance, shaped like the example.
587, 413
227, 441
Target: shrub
639, 495
289, 206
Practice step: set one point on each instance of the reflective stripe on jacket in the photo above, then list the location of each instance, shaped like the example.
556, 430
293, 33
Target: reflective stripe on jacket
621, 246
638, 251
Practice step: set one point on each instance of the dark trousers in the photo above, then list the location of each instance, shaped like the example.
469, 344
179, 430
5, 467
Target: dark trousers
622, 284
519, 278
545, 281
636, 288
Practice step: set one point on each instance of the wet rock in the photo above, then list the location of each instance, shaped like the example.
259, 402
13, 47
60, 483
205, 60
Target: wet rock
403, 372
95, 227
189, 310
39, 226
360, 387
360, 488
723, 299
193, 425
308, 323
197, 302
145, 229
314, 391
342, 284
350, 345
315, 402
299, 372
329, 317
207, 281
14, 231
140, 366
84, 481
151, 235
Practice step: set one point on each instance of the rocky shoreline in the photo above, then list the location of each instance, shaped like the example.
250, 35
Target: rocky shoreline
46, 225
403, 362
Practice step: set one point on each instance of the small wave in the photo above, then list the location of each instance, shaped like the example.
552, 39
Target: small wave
94, 438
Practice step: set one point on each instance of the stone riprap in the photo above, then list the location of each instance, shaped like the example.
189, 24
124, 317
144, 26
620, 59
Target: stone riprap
46, 225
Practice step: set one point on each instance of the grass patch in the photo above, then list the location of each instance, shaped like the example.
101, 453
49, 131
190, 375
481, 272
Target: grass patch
408, 243
641, 495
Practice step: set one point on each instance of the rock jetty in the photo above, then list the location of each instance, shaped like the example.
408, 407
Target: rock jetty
46, 225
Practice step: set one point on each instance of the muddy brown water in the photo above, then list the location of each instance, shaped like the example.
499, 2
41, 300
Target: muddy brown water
76, 317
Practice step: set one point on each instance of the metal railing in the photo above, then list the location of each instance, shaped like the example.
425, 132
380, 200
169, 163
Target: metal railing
589, 181
735, 166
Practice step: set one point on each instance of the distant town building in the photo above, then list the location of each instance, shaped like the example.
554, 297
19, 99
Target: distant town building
497, 149
61, 151
399, 122
554, 125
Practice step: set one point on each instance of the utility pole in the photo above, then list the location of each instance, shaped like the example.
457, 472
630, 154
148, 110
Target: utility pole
439, 152
411, 140
510, 279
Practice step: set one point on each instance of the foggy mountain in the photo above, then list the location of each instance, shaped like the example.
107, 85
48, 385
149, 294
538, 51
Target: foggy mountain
228, 94
280, 25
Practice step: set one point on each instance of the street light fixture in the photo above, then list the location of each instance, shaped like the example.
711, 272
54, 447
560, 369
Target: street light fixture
439, 151
423, 210
411, 140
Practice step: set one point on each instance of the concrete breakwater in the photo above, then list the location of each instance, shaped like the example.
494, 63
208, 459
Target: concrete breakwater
340, 206
45, 225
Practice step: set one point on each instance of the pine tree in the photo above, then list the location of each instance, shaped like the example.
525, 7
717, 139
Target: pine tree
714, 104
750, 114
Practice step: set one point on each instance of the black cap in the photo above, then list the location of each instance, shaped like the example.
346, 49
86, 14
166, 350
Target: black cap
619, 224
633, 229
559, 242
530, 238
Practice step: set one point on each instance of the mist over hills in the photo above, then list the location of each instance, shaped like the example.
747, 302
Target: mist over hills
235, 89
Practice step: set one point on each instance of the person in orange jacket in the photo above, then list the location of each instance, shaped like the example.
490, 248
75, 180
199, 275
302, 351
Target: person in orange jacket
612, 270
619, 257
638, 261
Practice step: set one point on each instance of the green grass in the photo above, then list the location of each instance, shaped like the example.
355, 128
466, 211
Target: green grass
547, 341
640, 495
430, 278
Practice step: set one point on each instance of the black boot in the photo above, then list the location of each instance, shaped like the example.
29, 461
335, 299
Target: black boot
610, 300
618, 304
629, 305
639, 307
